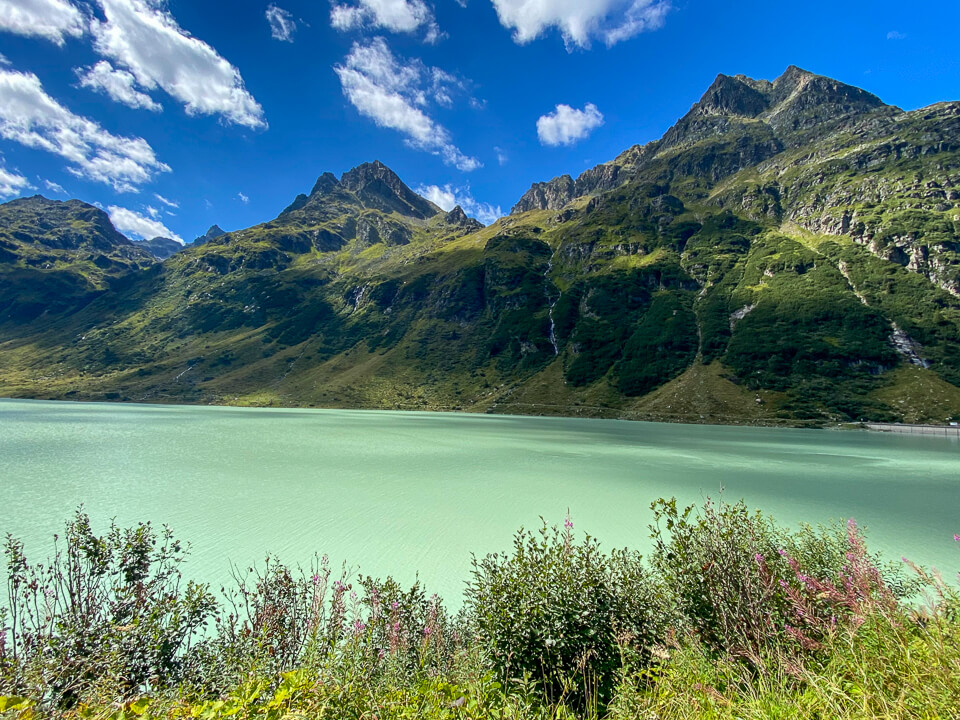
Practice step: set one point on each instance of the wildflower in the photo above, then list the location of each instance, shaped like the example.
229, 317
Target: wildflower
315, 579
427, 631
353, 595
758, 558
358, 627
568, 523
783, 553
394, 605
956, 538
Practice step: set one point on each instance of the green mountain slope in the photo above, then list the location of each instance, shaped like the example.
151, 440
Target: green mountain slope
787, 252
57, 256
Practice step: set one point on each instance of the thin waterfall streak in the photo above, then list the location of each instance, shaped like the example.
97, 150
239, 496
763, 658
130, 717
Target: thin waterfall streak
553, 303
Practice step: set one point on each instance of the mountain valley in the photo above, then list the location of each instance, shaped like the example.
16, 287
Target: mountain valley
787, 253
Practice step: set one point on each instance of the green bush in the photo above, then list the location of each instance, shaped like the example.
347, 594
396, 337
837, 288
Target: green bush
104, 610
563, 613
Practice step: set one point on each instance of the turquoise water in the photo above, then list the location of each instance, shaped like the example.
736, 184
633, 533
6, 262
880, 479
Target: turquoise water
396, 493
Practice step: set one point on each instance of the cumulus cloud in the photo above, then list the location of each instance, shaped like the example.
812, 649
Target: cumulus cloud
141, 36
567, 125
394, 94
282, 24
54, 20
118, 84
449, 196
243, 198
401, 16
31, 117
135, 225
580, 21
54, 187
168, 203
12, 183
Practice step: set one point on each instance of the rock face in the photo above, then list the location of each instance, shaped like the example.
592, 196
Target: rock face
459, 219
378, 187
551, 195
161, 247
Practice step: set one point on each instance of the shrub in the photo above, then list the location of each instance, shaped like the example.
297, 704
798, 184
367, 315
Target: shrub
281, 619
561, 612
105, 611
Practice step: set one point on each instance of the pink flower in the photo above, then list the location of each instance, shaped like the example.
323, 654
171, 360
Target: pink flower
956, 538
758, 557
568, 523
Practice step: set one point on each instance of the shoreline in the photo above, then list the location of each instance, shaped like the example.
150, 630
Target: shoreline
583, 412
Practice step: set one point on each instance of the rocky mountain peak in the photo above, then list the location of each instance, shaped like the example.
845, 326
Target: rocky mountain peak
378, 187
801, 100
160, 247
213, 233
325, 184
458, 218
551, 195
738, 96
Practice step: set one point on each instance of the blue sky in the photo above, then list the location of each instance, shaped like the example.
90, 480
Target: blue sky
177, 115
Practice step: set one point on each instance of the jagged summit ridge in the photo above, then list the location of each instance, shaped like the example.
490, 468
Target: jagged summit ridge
766, 118
372, 186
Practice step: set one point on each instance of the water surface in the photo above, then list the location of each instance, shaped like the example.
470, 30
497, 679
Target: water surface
398, 492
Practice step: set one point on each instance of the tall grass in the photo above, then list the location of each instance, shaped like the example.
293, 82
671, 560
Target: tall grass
732, 616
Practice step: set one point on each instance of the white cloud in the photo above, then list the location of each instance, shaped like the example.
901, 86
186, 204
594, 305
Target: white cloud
168, 203
896, 35
3, 60
393, 94
54, 187
579, 21
566, 125
139, 226
152, 211
401, 16
12, 183
243, 198
502, 157
118, 84
143, 37
448, 197
50, 19
282, 24
31, 117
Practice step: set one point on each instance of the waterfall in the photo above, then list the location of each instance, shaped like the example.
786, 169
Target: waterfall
553, 303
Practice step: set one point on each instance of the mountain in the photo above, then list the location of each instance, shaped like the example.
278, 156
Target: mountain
57, 256
160, 247
787, 252
212, 234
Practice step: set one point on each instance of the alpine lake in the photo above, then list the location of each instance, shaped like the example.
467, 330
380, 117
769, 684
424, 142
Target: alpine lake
415, 494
